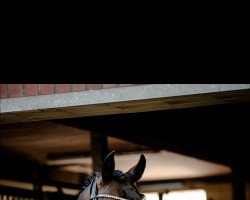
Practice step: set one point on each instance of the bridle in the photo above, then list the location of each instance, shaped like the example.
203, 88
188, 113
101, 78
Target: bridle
94, 193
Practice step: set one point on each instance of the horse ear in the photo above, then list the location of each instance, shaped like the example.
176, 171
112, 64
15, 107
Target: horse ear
108, 167
136, 172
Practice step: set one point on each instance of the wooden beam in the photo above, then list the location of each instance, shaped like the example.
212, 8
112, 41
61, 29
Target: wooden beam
20, 168
194, 132
15, 166
62, 176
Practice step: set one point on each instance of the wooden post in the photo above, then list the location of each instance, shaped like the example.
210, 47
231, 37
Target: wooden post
238, 184
160, 196
99, 147
38, 189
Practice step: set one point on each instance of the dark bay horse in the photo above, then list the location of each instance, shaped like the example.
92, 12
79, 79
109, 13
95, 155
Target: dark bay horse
114, 184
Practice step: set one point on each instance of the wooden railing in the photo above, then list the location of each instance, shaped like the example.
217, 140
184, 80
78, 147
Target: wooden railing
10, 193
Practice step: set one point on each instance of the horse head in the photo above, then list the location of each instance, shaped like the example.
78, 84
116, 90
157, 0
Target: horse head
114, 184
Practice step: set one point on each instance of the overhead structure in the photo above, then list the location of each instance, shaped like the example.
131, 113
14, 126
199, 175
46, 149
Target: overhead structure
46, 131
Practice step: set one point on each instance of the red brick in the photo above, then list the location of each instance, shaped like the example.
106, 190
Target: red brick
106, 86
16, 90
61, 88
78, 87
3, 91
31, 89
47, 88
94, 86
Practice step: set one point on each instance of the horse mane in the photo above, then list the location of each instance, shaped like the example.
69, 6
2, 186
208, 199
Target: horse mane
117, 176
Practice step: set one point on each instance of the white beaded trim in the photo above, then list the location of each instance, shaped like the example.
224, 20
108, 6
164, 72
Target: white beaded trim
107, 196
111, 197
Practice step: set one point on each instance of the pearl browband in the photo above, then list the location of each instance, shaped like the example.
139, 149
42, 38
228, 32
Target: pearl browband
94, 193
107, 196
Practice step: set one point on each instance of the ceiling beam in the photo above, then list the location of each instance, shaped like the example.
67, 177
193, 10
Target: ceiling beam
194, 131
14, 166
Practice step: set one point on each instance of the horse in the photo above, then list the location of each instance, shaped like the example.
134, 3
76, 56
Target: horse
114, 184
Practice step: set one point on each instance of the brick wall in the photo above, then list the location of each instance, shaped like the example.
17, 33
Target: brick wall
24, 90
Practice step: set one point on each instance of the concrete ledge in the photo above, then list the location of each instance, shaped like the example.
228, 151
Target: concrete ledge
112, 95
134, 99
